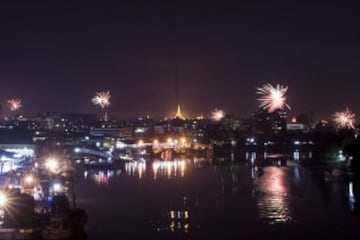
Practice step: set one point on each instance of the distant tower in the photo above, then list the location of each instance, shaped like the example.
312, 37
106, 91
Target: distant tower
179, 114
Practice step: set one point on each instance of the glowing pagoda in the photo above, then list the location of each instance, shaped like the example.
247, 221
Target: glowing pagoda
179, 114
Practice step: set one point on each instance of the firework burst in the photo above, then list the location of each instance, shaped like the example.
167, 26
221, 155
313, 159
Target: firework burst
102, 99
217, 115
14, 104
344, 119
272, 98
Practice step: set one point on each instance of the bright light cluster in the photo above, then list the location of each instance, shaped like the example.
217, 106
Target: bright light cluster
14, 104
217, 115
344, 119
3, 199
102, 99
52, 165
272, 98
29, 179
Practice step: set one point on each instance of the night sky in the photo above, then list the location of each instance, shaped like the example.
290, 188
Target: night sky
56, 55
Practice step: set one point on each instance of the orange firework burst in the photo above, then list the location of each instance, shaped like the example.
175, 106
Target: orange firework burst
14, 104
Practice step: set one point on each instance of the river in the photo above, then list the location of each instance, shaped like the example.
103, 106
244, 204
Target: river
200, 199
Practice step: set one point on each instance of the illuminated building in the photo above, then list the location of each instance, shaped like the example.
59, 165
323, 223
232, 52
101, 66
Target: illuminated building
179, 114
264, 122
298, 127
20, 150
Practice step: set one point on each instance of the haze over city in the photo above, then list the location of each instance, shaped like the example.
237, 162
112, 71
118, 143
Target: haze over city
154, 55
179, 120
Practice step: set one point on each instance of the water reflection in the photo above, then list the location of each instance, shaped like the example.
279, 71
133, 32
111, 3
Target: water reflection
296, 155
169, 168
353, 194
135, 169
228, 195
175, 221
297, 174
182, 217
101, 177
138, 169
272, 196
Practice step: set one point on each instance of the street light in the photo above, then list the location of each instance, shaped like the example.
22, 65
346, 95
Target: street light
52, 165
29, 179
141, 143
3, 199
57, 187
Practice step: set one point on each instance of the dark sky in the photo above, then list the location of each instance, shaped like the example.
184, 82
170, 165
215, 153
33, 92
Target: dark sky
56, 55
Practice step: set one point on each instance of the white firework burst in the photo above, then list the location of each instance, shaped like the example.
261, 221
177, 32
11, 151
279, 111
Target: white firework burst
217, 115
102, 99
272, 98
344, 119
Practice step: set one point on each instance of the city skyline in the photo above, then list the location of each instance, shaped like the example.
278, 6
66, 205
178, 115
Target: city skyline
153, 56
179, 120
271, 98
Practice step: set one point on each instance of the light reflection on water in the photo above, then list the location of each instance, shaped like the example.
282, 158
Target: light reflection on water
351, 196
169, 169
183, 217
271, 190
135, 169
272, 196
174, 221
101, 177
225, 190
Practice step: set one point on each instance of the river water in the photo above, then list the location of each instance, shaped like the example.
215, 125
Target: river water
199, 199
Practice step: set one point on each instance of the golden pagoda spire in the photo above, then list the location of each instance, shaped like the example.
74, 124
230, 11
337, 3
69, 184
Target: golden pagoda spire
179, 114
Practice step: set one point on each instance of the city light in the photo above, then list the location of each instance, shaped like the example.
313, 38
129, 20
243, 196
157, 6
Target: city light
102, 99
21, 152
3, 199
52, 165
29, 179
57, 187
344, 119
120, 144
176, 120
14, 104
272, 98
141, 143
217, 115
169, 168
